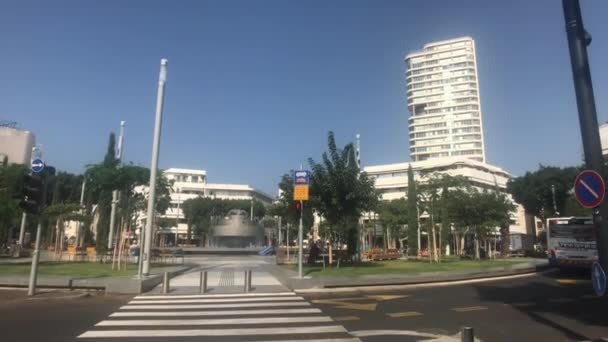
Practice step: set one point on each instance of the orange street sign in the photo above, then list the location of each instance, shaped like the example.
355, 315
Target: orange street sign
300, 193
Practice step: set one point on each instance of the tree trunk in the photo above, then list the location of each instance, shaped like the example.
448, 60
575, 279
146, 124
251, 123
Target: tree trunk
477, 246
462, 244
434, 240
330, 252
60, 235
441, 251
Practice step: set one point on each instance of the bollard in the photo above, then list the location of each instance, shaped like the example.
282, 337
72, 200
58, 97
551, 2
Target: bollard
246, 286
203, 283
467, 334
249, 280
165, 282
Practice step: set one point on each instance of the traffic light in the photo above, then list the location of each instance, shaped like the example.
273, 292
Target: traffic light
298, 205
32, 194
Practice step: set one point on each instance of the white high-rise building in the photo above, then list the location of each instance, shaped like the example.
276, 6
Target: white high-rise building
443, 100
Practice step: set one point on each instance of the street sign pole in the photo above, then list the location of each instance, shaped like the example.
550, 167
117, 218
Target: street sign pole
578, 39
300, 238
301, 182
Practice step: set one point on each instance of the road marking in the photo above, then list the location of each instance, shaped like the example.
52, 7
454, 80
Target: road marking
346, 318
573, 281
212, 313
385, 297
230, 295
343, 303
225, 321
522, 304
469, 308
323, 301
319, 340
213, 332
404, 314
217, 300
365, 333
561, 300
209, 306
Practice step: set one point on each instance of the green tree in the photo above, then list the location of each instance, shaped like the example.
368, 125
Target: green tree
412, 211
435, 188
478, 213
394, 216
62, 212
11, 184
101, 181
534, 190
340, 193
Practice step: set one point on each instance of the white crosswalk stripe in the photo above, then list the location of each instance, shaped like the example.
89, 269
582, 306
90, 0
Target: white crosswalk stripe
278, 317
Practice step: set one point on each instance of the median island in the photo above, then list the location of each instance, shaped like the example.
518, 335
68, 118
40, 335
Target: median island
411, 266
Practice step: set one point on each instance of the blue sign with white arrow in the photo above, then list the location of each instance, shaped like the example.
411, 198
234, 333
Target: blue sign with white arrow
598, 278
37, 165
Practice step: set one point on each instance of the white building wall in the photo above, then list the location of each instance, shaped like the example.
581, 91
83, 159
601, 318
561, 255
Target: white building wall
16, 145
443, 101
604, 138
392, 181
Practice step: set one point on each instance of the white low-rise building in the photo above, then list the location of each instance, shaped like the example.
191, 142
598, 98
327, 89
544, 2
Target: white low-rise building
16, 145
191, 183
391, 180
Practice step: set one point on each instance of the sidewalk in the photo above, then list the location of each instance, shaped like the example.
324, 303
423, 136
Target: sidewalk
225, 277
118, 284
289, 278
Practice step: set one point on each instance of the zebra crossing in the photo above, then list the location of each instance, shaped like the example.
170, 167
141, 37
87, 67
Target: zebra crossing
281, 316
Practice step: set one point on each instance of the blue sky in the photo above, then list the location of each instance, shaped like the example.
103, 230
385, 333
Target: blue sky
254, 86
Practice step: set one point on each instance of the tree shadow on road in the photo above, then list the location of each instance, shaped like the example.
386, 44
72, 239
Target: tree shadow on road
540, 299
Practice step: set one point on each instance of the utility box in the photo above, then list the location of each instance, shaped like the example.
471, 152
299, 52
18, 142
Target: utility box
521, 244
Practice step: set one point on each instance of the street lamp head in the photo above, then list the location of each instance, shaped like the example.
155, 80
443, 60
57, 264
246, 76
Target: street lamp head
163, 70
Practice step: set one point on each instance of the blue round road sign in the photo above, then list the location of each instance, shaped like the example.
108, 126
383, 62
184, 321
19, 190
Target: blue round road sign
598, 278
37, 165
589, 188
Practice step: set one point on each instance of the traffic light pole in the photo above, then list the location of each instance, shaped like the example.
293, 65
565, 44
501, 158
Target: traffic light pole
578, 40
22, 229
31, 289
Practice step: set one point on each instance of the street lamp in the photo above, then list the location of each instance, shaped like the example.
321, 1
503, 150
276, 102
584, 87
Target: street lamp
154, 165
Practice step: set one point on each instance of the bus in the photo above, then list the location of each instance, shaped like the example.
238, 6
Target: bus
571, 242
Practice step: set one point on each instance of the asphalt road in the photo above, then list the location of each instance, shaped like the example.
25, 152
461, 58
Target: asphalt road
551, 307
52, 316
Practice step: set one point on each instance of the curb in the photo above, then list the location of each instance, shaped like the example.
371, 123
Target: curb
395, 287
342, 284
